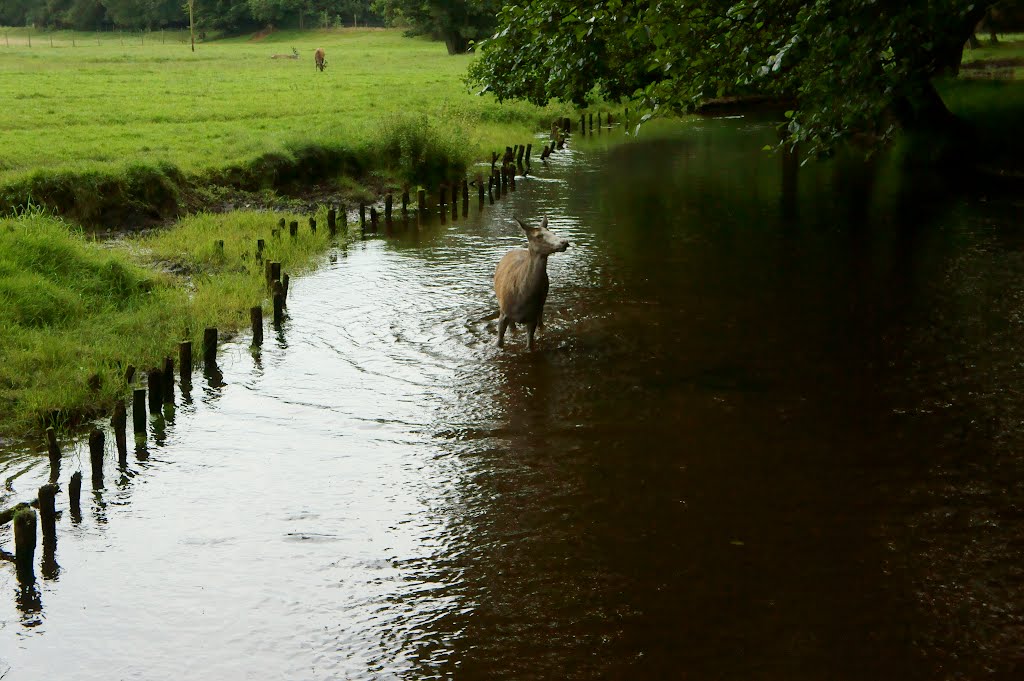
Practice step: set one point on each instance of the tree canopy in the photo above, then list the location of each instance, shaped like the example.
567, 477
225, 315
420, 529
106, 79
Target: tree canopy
849, 66
457, 22
226, 15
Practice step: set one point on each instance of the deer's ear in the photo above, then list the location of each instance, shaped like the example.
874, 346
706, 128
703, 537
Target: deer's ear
525, 228
544, 223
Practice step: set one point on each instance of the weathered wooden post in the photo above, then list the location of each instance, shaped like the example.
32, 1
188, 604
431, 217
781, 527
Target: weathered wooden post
512, 177
139, 411
210, 341
48, 510
129, 373
421, 201
388, 199
455, 201
373, 219
52, 448
256, 317
312, 224
503, 179
442, 202
96, 456
465, 196
529, 150
405, 202
278, 297
156, 390
119, 421
280, 226
591, 123
519, 156
168, 377
490, 188
185, 362
362, 216
332, 221
343, 212
293, 228
260, 245
275, 272
25, 544
480, 192
75, 494
285, 278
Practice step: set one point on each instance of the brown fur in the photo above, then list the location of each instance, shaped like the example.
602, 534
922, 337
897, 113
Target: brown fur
321, 62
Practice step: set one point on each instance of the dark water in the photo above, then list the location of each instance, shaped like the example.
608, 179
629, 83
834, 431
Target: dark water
764, 435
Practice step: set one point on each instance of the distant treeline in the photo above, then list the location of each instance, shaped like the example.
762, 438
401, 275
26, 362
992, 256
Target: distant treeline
457, 22
229, 16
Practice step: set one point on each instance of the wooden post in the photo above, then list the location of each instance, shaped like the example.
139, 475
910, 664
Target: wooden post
280, 227
583, 124
529, 150
256, 317
405, 202
210, 342
293, 228
421, 201
591, 123
25, 544
442, 198
168, 376
504, 181
490, 189
373, 219
362, 216
512, 178
332, 221
75, 494
96, 456
465, 190
129, 373
260, 245
598, 122
119, 421
139, 411
388, 199
343, 212
48, 510
455, 202
519, 156
278, 303
312, 225
284, 287
51, 446
275, 272
480, 191
156, 391
185, 362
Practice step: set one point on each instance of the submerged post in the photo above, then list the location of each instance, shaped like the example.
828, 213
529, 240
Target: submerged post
75, 494
256, 318
388, 199
210, 344
278, 297
139, 411
52, 448
96, 440
48, 510
119, 421
185, 362
25, 544
156, 391
168, 378
332, 221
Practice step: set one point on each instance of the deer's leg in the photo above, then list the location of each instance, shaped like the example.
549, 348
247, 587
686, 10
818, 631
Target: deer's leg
502, 325
531, 328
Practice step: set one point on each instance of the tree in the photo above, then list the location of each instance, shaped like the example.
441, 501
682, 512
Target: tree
849, 66
457, 22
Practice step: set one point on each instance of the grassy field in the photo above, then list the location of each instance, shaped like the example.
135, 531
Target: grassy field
73, 307
102, 110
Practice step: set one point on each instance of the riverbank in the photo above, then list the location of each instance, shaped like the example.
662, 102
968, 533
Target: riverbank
79, 312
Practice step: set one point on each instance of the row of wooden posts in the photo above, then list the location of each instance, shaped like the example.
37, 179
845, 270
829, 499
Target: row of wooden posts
160, 381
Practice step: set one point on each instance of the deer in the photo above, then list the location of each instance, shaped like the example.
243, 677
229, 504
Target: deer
318, 57
293, 55
521, 281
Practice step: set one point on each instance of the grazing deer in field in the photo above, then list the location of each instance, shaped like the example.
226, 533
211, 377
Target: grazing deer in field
318, 56
293, 55
521, 280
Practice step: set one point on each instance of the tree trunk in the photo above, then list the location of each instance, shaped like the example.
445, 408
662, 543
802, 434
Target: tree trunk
455, 42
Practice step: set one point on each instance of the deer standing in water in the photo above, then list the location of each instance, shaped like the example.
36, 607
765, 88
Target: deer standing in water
521, 280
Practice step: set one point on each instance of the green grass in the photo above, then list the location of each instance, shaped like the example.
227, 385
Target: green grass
103, 108
73, 307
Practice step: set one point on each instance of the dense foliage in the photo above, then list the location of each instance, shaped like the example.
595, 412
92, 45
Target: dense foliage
225, 15
849, 66
457, 22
